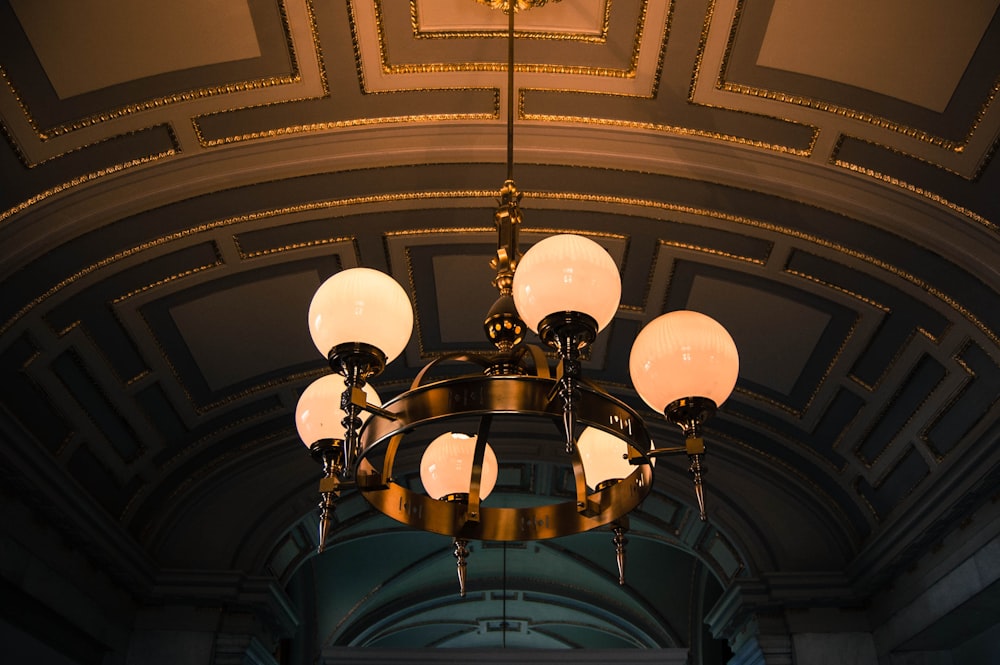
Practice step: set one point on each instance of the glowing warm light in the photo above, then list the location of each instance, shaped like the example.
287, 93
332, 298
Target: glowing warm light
361, 305
318, 414
603, 456
567, 273
446, 467
683, 354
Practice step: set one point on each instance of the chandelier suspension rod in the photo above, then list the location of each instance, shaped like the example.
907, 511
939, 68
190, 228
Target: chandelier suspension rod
510, 92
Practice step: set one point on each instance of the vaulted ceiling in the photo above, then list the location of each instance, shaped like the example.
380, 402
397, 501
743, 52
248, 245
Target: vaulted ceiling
178, 178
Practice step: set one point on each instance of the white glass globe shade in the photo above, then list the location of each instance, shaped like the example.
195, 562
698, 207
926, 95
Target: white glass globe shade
603, 456
361, 305
446, 466
318, 414
567, 273
683, 354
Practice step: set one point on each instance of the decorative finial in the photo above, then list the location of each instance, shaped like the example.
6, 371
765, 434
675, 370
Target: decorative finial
519, 5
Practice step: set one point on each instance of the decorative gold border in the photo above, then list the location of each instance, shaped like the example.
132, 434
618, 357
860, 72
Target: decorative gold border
902, 184
550, 196
500, 32
344, 124
956, 397
308, 244
88, 177
664, 128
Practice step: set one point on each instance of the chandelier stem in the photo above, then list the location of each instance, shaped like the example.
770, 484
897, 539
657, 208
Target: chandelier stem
461, 561
510, 93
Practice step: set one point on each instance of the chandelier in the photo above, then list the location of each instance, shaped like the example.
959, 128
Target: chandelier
566, 288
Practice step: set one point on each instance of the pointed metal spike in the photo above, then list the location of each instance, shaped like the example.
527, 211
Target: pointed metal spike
461, 556
699, 492
620, 542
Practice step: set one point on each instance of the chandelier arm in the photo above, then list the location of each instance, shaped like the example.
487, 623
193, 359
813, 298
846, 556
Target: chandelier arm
461, 356
666, 451
538, 358
580, 478
379, 480
475, 483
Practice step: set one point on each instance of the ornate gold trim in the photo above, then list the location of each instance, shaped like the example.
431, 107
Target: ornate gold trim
670, 129
345, 124
79, 180
553, 196
308, 244
902, 184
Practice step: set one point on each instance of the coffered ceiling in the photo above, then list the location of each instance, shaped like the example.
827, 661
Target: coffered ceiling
178, 178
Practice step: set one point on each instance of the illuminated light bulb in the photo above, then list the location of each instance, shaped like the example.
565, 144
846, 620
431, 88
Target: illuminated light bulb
683, 354
361, 305
318, 414
567, 273
446, 466
603, 456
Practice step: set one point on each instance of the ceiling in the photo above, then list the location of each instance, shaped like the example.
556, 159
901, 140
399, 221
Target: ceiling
178, 178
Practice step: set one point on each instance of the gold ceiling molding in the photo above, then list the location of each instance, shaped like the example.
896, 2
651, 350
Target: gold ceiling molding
79, 180
902, 184
309, 244
993, 336
440, 67
346, 124
419, 33
673, 129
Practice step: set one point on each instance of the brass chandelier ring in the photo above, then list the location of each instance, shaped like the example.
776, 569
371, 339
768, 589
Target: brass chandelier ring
496, 397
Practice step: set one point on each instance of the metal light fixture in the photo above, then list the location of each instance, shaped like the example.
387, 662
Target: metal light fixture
566, 288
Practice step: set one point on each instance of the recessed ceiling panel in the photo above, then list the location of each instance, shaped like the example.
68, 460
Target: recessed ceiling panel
913, 51
239, 333
776, 336
137, 38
